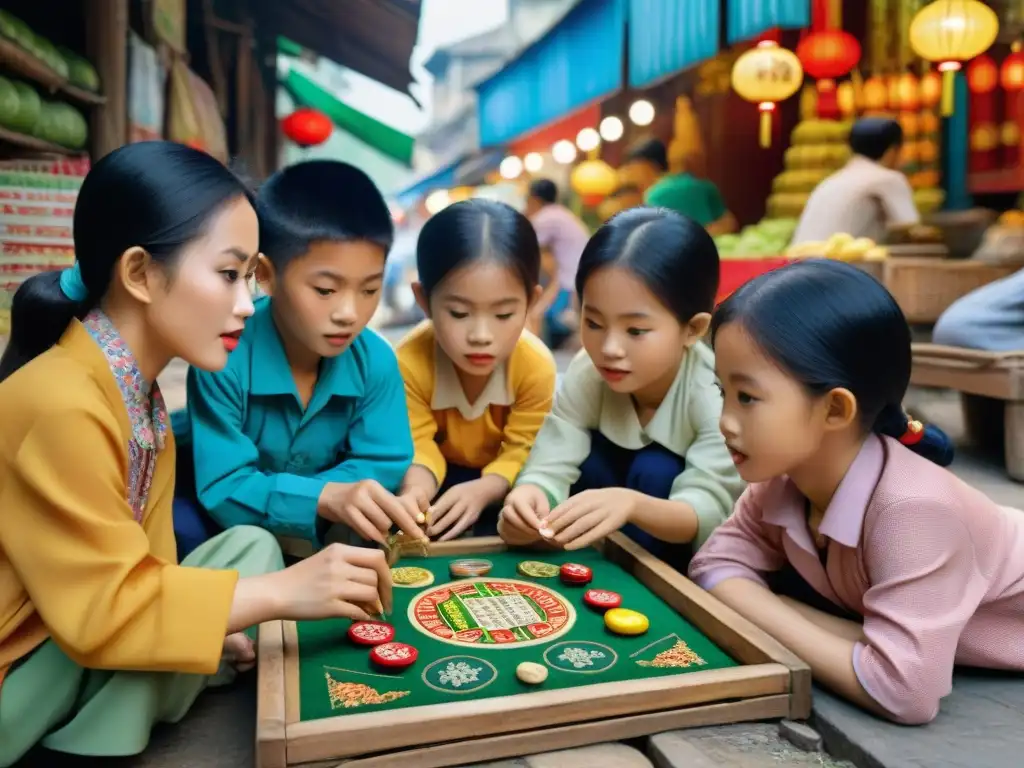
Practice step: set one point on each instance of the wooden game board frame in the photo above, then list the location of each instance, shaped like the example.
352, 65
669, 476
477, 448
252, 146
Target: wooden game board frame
773, 683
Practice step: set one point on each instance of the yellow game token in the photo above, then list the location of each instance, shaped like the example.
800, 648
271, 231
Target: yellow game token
411, 576
623, 621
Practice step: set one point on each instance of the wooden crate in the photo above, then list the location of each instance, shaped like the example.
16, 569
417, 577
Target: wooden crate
999, 375
926, 286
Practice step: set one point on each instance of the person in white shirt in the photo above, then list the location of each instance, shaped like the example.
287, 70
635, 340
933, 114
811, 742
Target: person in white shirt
632, 441
867, 196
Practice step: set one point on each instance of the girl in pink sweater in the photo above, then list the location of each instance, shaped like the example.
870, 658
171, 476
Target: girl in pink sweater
852, 545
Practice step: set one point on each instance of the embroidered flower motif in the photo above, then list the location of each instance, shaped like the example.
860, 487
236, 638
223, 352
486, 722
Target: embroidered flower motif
147, 412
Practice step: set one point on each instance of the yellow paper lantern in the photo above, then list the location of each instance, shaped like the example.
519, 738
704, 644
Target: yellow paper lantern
767, 75
593, 180
950, 32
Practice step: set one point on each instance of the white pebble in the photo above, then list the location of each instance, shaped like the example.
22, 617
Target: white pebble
532, 673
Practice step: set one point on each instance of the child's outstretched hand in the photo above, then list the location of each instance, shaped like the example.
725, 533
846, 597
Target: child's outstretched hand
520, 522
460, 506
589, 516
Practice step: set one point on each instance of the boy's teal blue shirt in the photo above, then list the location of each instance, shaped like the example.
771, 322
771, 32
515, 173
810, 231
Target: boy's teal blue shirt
261, 459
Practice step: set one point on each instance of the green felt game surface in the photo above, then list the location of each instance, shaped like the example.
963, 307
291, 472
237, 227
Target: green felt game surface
578, 650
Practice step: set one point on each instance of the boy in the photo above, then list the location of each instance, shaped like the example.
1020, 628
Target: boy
307, 425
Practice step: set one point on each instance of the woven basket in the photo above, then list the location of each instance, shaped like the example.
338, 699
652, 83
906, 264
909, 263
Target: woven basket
962, 231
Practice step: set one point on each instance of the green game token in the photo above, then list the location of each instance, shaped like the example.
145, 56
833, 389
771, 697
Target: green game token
537, 569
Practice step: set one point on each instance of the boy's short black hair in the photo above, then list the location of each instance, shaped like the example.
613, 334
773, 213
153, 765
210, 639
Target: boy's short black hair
872, 137
320, 200
544, 190
651, 150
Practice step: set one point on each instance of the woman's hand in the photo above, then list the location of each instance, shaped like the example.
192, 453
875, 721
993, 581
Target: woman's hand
589, 516
339, 581
460, 506
520, 520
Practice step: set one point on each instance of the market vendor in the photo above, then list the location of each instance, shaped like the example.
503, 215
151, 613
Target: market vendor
697, 198
868, 195
562, 236
989, 318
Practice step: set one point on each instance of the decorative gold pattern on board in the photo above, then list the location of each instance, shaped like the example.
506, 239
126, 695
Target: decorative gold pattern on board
344, 695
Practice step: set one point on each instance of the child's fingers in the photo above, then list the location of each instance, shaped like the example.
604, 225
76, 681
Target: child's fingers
395, 510
465, 520
599, 527
525, 512
358, 521
447, 518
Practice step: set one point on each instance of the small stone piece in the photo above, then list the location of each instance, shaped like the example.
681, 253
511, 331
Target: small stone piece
800, 735
532, 673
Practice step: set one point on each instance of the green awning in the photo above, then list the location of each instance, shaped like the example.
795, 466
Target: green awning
383, 138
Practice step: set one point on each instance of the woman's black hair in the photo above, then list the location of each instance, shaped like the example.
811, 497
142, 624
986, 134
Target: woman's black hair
156, 195
673, 255
476, 230
320, 201
831, 325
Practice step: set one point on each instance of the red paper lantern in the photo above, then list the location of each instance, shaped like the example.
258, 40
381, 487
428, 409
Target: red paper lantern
1011, 74
1011, 77
982, 75
307, 127
828, 53
825, 55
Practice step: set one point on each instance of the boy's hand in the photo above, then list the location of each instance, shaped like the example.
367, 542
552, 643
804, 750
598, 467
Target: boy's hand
369, 509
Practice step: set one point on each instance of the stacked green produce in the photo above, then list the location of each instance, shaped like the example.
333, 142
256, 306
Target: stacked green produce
769, 237
22, 109
819, 148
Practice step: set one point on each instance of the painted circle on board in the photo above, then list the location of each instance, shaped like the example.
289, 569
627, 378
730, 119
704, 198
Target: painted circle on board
459, 674
580, 656
491, 613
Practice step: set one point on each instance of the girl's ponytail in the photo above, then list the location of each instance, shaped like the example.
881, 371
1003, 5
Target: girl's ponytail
925, 440
41, 311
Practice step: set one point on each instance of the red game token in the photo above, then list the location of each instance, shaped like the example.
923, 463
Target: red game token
394, 655
371, 632
602, 599
574, 573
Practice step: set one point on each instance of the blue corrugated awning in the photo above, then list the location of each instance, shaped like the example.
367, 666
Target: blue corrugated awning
442, 178
666, 36
749, 18
577, 62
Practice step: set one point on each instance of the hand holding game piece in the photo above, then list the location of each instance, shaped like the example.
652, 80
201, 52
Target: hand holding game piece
520, 520
589, 516
339, 581
367, 508
460, 506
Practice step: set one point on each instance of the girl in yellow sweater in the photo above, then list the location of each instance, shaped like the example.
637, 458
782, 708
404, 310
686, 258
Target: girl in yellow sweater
478, 385
96, 615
